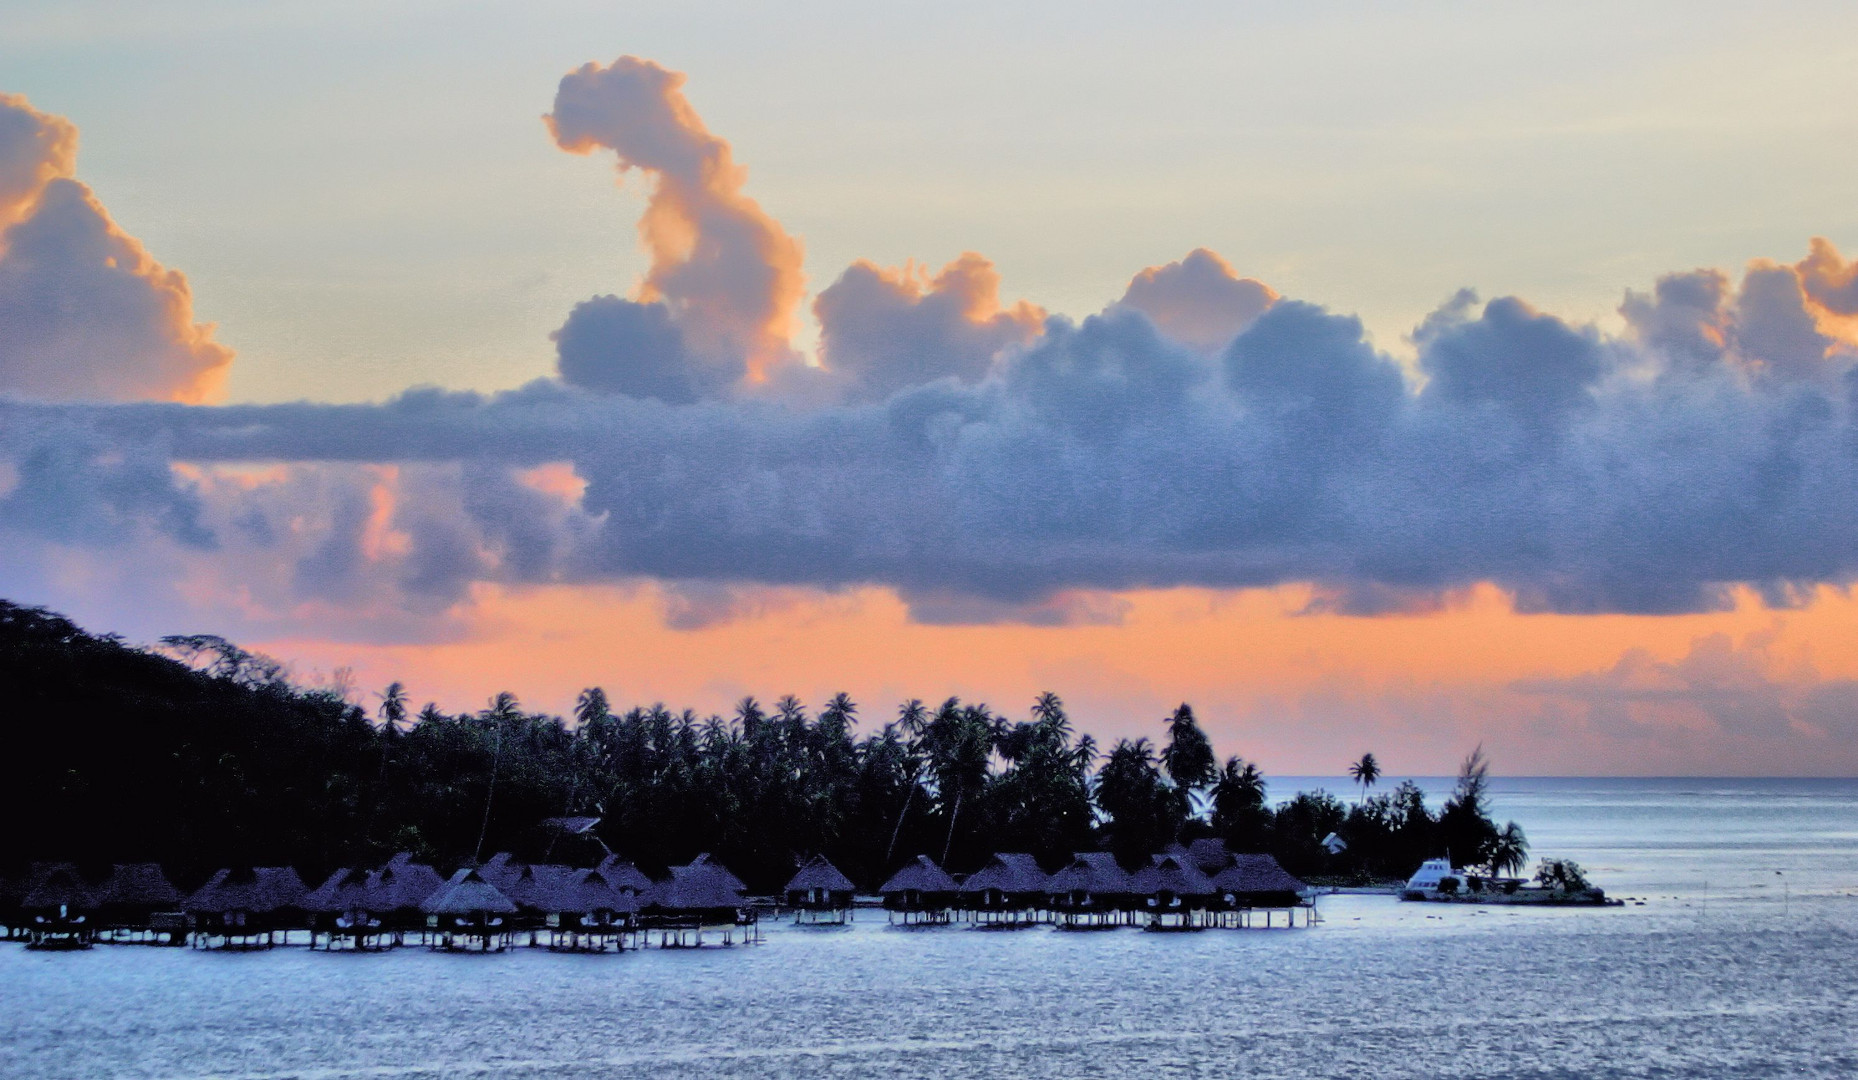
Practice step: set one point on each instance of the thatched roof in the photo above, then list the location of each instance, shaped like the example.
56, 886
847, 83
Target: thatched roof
250, 888
1008, 872
467, 893
922, 876
1169, 873
623, 875
584, 891
570, 826
1256, 874
533, 886
401, 885
60, 886
818, 873
702, 885
1094, 872
1209, 855
339, 892
139, 885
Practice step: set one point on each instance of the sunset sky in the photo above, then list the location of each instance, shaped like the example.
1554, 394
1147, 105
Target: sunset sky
1374, 377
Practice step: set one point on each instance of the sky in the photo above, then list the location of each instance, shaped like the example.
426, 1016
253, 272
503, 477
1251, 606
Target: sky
1375, 377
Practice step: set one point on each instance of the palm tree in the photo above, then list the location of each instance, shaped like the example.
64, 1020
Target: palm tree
912, 720
1188, 757
502, 708
1510, 851
393, 708
1367, 773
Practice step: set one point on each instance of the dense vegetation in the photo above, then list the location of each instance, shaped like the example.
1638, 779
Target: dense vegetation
202, 754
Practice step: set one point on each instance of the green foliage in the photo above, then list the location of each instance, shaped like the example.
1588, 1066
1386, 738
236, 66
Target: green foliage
1562, 875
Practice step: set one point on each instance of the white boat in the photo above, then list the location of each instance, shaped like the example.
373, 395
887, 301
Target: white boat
1430, 873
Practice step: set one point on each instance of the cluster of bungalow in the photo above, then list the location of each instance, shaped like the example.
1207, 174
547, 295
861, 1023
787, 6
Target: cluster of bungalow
501, 903
613, 905
1200, 886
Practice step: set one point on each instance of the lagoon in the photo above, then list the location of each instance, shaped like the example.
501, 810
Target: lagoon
1739, 962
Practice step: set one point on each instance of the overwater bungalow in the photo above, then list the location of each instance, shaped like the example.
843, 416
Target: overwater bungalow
588, 913
247, 907
468, 911
1174, 893
60, 910
1256, 886
920, 894
1010, 891
139, 903
819, 895
701, 895
338, 917
535, 889
1093, 892
372, 909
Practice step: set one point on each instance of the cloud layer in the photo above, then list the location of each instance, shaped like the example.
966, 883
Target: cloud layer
987, 462
85, 312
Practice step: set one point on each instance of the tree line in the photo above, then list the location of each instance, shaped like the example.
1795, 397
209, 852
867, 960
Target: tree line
201, 754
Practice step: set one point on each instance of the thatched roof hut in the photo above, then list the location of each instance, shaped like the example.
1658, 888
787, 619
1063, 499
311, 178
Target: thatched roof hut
701, 886
586, 893
1010, 878
340, 892
534, 887
400, 888
920, 886
1169, 876
819, 874
137, 889
60, 886
1258, 881
1092, 873
467, 894
819, 885
272, 893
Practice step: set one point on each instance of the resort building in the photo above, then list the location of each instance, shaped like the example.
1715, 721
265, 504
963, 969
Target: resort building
921, 893
819, 894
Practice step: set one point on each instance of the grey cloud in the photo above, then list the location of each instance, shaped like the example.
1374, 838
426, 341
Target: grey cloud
623, 347
1101, 456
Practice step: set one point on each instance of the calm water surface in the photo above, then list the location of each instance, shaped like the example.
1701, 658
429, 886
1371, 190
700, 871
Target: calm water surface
1739, 963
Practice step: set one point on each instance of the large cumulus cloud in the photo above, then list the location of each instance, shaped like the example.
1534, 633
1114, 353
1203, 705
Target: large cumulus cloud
723, 272
85, 312
989, 462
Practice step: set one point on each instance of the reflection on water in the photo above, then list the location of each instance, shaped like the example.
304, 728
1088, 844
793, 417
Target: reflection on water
1727, 970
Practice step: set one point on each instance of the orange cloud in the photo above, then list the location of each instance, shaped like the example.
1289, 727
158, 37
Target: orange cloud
85, 312
883, 329
729, 273
35, 148
1200, 300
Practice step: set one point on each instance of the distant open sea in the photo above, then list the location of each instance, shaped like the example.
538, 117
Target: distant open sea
1742, 961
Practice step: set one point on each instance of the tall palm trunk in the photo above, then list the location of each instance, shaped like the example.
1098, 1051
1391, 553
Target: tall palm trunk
891, 851
960, 790
496, 759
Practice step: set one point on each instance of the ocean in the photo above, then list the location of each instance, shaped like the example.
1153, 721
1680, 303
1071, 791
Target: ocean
1735, 956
